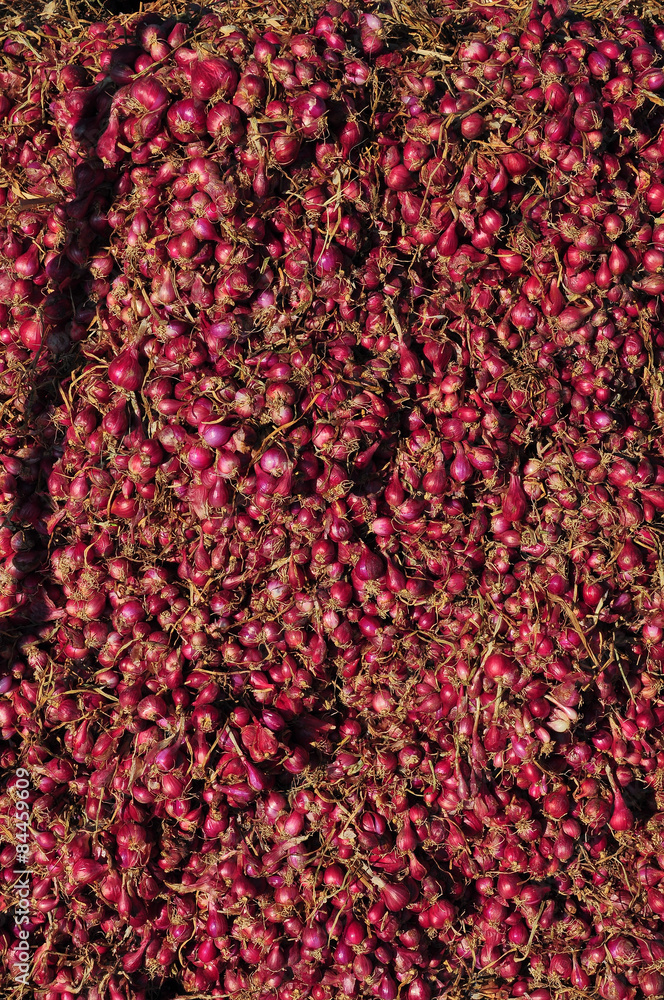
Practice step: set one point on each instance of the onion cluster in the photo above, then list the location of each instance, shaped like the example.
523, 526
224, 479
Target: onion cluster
332, 481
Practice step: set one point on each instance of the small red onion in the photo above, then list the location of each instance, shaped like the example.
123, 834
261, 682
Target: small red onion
125, 371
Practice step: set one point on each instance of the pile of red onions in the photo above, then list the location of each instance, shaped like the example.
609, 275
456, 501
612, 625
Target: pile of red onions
332, 482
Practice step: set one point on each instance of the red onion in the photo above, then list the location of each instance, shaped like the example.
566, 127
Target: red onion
330, 466
125, 371
213, 77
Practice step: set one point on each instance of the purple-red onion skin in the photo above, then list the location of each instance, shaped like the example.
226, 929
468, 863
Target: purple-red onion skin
331, 480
